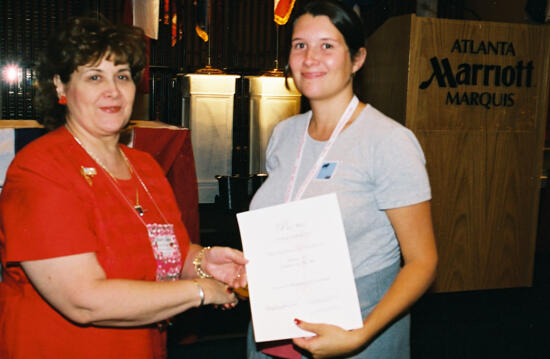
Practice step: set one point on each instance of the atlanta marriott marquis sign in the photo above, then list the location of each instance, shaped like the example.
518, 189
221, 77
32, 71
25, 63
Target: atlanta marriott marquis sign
480, 84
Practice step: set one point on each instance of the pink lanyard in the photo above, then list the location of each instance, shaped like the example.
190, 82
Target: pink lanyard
339, 126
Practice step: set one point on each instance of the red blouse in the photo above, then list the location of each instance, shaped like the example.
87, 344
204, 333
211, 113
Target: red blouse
48, 209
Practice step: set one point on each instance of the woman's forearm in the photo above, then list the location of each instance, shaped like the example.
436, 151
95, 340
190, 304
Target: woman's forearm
77, 287
414, 231
409, 285
125, 303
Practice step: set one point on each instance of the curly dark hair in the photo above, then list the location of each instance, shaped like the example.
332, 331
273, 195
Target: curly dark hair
84, 41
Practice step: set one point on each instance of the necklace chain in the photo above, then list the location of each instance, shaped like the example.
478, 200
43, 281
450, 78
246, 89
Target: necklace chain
139, 211
346, 116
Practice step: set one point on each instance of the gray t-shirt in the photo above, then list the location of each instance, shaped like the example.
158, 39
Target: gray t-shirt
375, 164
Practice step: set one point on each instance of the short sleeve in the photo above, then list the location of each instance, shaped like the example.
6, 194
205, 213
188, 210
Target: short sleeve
271, 162
400, 172
42, 217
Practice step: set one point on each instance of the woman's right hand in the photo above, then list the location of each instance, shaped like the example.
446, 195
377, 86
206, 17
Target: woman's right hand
217, 293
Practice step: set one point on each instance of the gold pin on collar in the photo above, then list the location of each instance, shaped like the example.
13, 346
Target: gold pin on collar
88, 173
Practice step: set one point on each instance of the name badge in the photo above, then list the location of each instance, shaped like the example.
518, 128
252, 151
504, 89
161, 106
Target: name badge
327, 170
166, 250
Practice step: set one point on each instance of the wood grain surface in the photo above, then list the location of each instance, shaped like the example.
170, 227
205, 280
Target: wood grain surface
484, 160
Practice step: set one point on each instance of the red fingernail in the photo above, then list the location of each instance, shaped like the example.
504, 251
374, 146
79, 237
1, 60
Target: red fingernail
297, 321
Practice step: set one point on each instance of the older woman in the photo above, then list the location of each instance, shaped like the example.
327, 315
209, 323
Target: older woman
377, 171
94, 253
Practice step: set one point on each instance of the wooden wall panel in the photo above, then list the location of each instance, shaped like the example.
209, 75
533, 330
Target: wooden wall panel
508, 230
375, 13
482, 134
457, 206
382, 79
509, 142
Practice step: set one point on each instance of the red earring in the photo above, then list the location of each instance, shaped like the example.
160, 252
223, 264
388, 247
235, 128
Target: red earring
62, 100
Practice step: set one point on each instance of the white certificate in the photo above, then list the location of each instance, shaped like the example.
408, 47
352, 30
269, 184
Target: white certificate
299, 267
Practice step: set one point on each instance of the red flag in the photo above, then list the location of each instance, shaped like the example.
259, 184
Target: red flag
282, 10
174, 24
166, 12
202, 18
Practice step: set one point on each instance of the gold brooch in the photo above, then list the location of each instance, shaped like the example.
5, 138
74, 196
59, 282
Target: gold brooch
88, 173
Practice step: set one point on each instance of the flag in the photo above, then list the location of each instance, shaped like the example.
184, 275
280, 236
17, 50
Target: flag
202, 18
166, 12
128, 18
146, 16
174, 24
282, 10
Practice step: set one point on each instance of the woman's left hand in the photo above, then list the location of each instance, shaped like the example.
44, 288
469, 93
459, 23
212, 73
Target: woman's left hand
226, 265
329, 340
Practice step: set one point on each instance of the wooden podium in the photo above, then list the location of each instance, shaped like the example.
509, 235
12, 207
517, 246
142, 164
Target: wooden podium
475, 94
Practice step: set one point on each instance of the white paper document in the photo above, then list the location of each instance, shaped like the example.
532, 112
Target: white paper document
299, 267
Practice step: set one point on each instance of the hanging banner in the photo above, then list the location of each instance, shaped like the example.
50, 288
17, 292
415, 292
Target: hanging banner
174, 26
202, 18
282, 10
128, 18
146, 15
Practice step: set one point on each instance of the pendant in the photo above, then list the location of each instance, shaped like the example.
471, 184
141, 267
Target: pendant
139, 209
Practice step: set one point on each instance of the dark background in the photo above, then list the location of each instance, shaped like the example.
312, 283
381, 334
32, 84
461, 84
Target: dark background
503, 323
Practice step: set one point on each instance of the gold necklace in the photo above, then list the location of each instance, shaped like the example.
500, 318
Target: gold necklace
137, 206
139, 209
